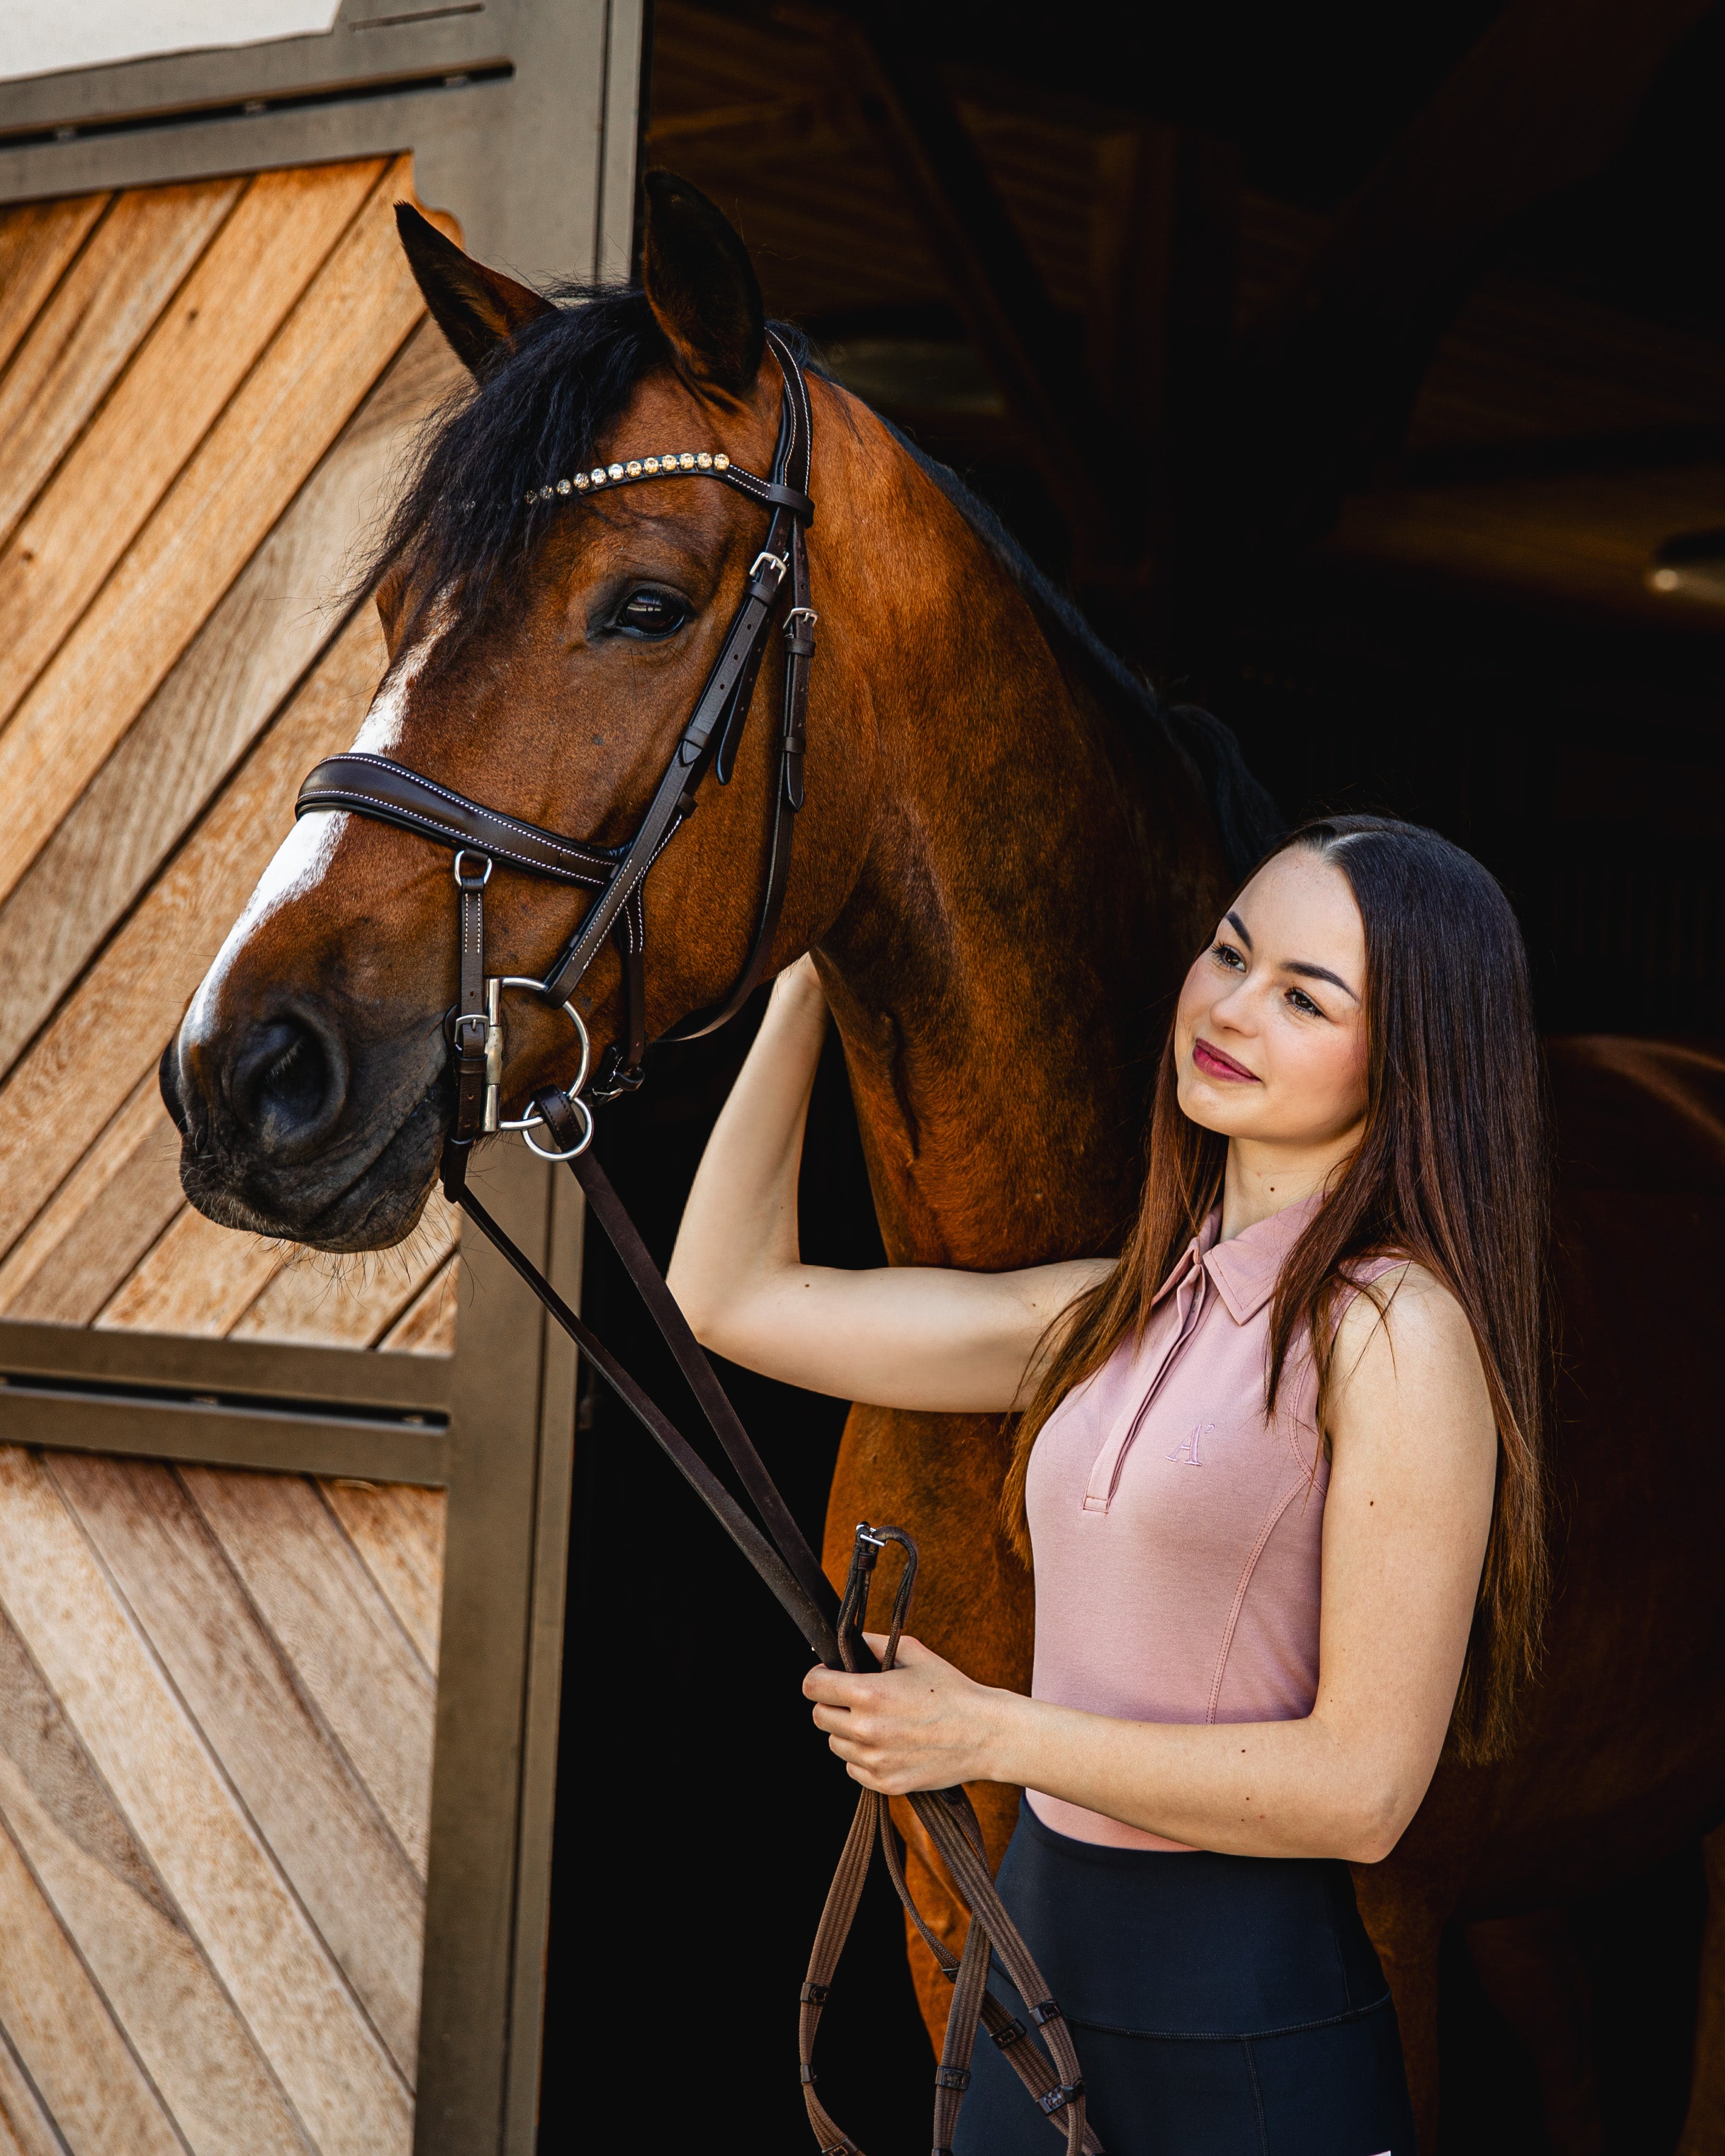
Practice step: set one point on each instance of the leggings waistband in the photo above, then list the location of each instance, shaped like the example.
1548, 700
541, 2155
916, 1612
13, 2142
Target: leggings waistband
1191, 1944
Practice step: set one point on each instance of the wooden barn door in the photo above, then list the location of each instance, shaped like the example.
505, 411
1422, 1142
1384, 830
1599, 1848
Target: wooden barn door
281, 1539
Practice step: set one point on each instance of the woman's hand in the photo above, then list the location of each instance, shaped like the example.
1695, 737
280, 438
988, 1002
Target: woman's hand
799, 986
897, 1335
921, 1725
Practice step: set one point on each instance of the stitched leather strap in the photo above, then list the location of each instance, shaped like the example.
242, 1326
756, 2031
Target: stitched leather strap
810, 1618
472, 1030
674, 796
379, 788
389, 793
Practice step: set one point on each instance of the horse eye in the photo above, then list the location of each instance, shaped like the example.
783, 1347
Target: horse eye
651, 613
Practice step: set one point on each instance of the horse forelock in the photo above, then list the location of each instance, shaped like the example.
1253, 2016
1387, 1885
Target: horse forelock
541, 414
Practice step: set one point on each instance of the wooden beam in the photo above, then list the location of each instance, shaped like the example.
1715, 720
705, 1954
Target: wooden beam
1030, 346
1158, 338
1542, 102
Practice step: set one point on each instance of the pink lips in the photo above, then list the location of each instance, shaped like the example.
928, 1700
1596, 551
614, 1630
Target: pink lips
1215, 1064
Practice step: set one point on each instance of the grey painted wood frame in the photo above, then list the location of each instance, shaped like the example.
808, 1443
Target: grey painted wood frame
522, 118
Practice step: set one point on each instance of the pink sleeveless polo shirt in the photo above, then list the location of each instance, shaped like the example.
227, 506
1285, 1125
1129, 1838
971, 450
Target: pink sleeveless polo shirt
1177, 1533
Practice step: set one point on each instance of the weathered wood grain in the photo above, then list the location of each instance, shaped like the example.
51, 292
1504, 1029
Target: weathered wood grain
64, 2037
25, 2128
353, 1877
195, 1278
107, 1037
427, 1327
349, 1301
251, 279
230, 1893
398, 1530
354, 318
159, 1990
36, 1737
350, 1657
101, 1221
38, 242
79, 343
223, 691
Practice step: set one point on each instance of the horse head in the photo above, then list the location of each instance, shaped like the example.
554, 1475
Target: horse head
544, 650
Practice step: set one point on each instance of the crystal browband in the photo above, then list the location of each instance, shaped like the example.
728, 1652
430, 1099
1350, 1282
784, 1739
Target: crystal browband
586, 482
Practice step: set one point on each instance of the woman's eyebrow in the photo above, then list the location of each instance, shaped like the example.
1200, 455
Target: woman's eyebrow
1239, 927
1317, 973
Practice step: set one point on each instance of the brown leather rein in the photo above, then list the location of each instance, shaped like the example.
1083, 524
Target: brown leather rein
482, 838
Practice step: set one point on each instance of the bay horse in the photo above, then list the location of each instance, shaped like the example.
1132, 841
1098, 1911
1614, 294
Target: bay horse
1008, 852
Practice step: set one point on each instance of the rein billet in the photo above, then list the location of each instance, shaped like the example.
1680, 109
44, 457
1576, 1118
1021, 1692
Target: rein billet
481, 839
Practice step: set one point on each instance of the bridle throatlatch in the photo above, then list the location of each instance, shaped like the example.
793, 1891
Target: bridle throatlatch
483, 838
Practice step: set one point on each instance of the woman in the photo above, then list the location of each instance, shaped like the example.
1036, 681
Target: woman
1278, 1470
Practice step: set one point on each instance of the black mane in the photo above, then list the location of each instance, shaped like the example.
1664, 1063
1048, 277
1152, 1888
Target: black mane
464, 518
564, 380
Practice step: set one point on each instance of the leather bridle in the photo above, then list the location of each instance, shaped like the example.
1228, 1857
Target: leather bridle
381, 788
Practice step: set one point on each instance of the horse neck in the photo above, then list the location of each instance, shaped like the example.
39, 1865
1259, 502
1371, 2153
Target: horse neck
1031, 891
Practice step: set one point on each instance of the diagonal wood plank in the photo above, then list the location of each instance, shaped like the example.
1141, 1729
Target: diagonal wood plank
349, 1655
339, 1635
398, 1529
194, 2047
38, 243
427, 1327
196, 1279
78, 345
40, 1743
354, 318
25, 2128
352, 1875
108, 1037
89, 2080
223, 691
250, 280
226, 1886
102, 1219
347, 1301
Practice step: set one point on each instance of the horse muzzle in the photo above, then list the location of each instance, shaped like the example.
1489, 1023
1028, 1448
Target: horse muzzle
292, 1127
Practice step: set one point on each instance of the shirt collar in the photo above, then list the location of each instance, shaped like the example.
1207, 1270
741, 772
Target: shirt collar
1246, 1267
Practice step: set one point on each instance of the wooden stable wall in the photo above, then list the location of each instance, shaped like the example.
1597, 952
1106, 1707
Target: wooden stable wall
217, 1688
216, 1696
205, 388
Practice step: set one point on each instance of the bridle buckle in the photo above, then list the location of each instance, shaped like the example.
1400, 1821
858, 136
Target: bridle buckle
763, 561
371, 785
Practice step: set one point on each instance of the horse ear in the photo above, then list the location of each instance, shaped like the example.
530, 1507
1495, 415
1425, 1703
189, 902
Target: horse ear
478, 310
701, 285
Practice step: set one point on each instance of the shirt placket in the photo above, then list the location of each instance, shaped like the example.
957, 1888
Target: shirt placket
1189, 1296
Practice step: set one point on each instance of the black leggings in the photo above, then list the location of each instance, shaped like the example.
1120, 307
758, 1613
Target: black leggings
1221, 2006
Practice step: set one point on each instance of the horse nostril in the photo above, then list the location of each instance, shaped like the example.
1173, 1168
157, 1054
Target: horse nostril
288, 1083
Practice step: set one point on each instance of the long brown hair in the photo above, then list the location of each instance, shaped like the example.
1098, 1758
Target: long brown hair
1450, 1172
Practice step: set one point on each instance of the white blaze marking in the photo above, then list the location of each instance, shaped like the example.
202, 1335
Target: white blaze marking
301, 861
298, 866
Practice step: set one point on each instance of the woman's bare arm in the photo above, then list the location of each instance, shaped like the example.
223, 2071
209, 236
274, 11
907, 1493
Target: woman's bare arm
898, 1336
1405, 1521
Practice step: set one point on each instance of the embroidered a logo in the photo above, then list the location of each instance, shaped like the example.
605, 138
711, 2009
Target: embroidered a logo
1186, 1451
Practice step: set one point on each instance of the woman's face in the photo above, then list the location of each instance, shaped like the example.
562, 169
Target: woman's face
1270, 1039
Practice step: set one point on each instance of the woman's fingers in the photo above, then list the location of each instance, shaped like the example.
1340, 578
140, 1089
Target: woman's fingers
914, 1727
911, 1650
836, 1687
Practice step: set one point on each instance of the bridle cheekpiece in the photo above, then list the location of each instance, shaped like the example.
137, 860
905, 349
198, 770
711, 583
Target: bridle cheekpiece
483, 838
